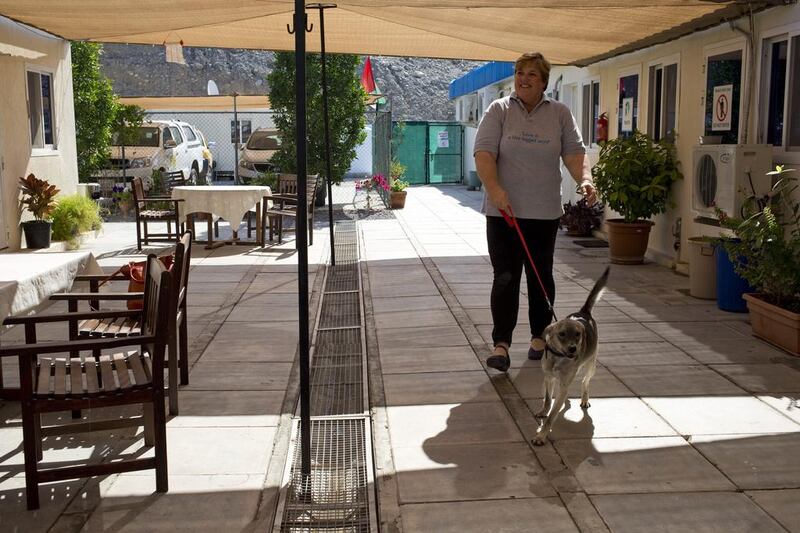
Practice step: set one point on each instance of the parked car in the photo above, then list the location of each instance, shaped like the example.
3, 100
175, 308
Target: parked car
207, 171
165, 145
254, 157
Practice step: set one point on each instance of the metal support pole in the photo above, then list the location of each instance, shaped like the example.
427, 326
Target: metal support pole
302, 234
322, 8
236, 137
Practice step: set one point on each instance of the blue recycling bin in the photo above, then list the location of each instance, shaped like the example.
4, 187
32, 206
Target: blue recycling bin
730, 285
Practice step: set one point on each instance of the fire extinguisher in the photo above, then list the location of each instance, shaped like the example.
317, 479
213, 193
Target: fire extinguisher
601, 128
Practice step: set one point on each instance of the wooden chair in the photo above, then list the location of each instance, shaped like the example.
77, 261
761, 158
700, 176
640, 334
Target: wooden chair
178, 361
284, 204
145, 215
174, 179
133, 376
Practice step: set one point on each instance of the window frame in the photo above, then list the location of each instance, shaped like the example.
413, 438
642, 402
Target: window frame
785, 32
589, 82
631, 70
188, 130
720, 48
663, 63
45, 149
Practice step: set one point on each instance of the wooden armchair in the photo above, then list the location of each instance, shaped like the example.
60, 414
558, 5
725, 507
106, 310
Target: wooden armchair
284, 204
132, 376
156, 214
178, 361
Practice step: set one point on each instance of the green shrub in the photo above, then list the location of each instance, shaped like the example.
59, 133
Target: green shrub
74, 215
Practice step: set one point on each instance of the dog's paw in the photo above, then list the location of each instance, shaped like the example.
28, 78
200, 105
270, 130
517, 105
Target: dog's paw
540, 439
585, 405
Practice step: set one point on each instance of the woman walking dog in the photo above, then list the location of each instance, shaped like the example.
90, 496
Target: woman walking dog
519, 143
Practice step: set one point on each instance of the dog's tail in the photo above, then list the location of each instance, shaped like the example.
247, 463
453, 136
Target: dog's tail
597, 292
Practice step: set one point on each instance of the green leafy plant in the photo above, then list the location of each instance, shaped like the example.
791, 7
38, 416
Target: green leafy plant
75, 214
580, 218
268, 179
38, 196
766, 252
346, 106
398, 185
634, 176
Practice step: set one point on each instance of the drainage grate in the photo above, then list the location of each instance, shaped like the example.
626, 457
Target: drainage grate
337, 385
340, 310
342, 278
336, 495
332, 342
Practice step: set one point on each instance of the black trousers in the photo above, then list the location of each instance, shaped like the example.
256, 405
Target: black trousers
508, 257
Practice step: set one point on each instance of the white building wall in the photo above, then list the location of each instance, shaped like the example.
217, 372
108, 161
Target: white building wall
60, 165
690, 53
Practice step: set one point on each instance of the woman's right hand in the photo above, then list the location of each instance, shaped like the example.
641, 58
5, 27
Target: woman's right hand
499, 198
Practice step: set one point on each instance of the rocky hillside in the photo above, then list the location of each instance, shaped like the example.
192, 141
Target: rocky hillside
417, 87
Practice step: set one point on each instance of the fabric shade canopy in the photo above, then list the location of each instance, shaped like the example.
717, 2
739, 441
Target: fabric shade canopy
565, 31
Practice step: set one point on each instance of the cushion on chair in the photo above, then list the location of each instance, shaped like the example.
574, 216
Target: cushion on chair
157, 213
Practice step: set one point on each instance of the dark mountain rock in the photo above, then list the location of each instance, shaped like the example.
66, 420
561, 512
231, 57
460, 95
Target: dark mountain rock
417, 87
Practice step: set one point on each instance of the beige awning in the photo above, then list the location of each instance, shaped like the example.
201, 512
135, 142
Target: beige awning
198, 103
565, 31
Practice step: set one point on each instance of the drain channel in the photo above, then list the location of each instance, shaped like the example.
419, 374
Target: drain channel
337, 495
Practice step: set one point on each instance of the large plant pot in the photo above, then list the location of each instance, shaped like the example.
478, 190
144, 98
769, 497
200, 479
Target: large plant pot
627, 241
397, 199
322, 193
774, 324
37, 233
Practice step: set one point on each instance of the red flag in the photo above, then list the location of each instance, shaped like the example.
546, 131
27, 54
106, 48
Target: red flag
367, 80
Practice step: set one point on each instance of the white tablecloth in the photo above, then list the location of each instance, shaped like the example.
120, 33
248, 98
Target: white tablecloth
230, 202
28, 279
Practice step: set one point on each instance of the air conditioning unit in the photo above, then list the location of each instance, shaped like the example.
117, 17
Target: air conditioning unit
725, 175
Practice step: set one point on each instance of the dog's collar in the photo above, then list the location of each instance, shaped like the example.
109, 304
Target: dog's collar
550, 349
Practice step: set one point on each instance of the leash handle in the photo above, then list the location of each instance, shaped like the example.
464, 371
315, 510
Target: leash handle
512, 221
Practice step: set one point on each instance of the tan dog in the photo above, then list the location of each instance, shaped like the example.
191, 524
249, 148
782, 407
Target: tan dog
571, 347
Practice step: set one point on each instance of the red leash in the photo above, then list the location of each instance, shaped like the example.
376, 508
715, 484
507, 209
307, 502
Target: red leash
512, 221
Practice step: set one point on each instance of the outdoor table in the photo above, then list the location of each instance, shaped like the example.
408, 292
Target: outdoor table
27, 280
230, 202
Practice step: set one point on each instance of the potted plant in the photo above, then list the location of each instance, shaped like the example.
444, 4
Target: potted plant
580, 219
634, 177
123, 198
38, 197
376, 182
73, 216
397, 195
766, 253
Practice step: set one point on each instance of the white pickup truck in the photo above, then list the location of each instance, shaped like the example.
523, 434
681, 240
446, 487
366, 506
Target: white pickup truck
165, 145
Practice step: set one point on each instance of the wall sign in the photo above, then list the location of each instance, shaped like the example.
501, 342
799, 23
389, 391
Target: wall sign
627, 114
721, 108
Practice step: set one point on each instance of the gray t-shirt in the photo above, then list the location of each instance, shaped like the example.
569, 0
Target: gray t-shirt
529, 147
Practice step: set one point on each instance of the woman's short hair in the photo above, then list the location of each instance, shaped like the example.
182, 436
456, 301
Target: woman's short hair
537, 60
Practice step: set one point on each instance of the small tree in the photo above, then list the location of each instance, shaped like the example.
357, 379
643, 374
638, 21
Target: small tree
127, 119
346, 106
95, 106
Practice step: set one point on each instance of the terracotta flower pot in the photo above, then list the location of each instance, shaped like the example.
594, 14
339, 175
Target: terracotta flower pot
397, 199
774, 324
627, 241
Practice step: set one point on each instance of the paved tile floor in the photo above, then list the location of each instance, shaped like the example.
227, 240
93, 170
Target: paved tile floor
694, 424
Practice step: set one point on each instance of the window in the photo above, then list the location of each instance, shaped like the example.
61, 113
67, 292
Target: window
662, 101
40, 109
174, 134
590, 112
780, 105
723, 95
190, 136
244, 129
628, 112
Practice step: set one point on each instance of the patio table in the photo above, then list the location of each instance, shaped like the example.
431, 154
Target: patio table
28, 279
230, 202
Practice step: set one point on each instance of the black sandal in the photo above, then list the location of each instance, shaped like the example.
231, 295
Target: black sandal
499, 362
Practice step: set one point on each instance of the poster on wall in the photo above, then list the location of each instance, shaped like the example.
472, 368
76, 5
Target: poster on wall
627, 114
443, 139
721, 108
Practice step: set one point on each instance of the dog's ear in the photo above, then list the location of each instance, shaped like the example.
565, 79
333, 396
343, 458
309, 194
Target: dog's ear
548, 331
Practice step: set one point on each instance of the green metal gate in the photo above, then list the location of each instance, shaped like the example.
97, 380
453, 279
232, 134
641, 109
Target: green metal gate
430, 151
